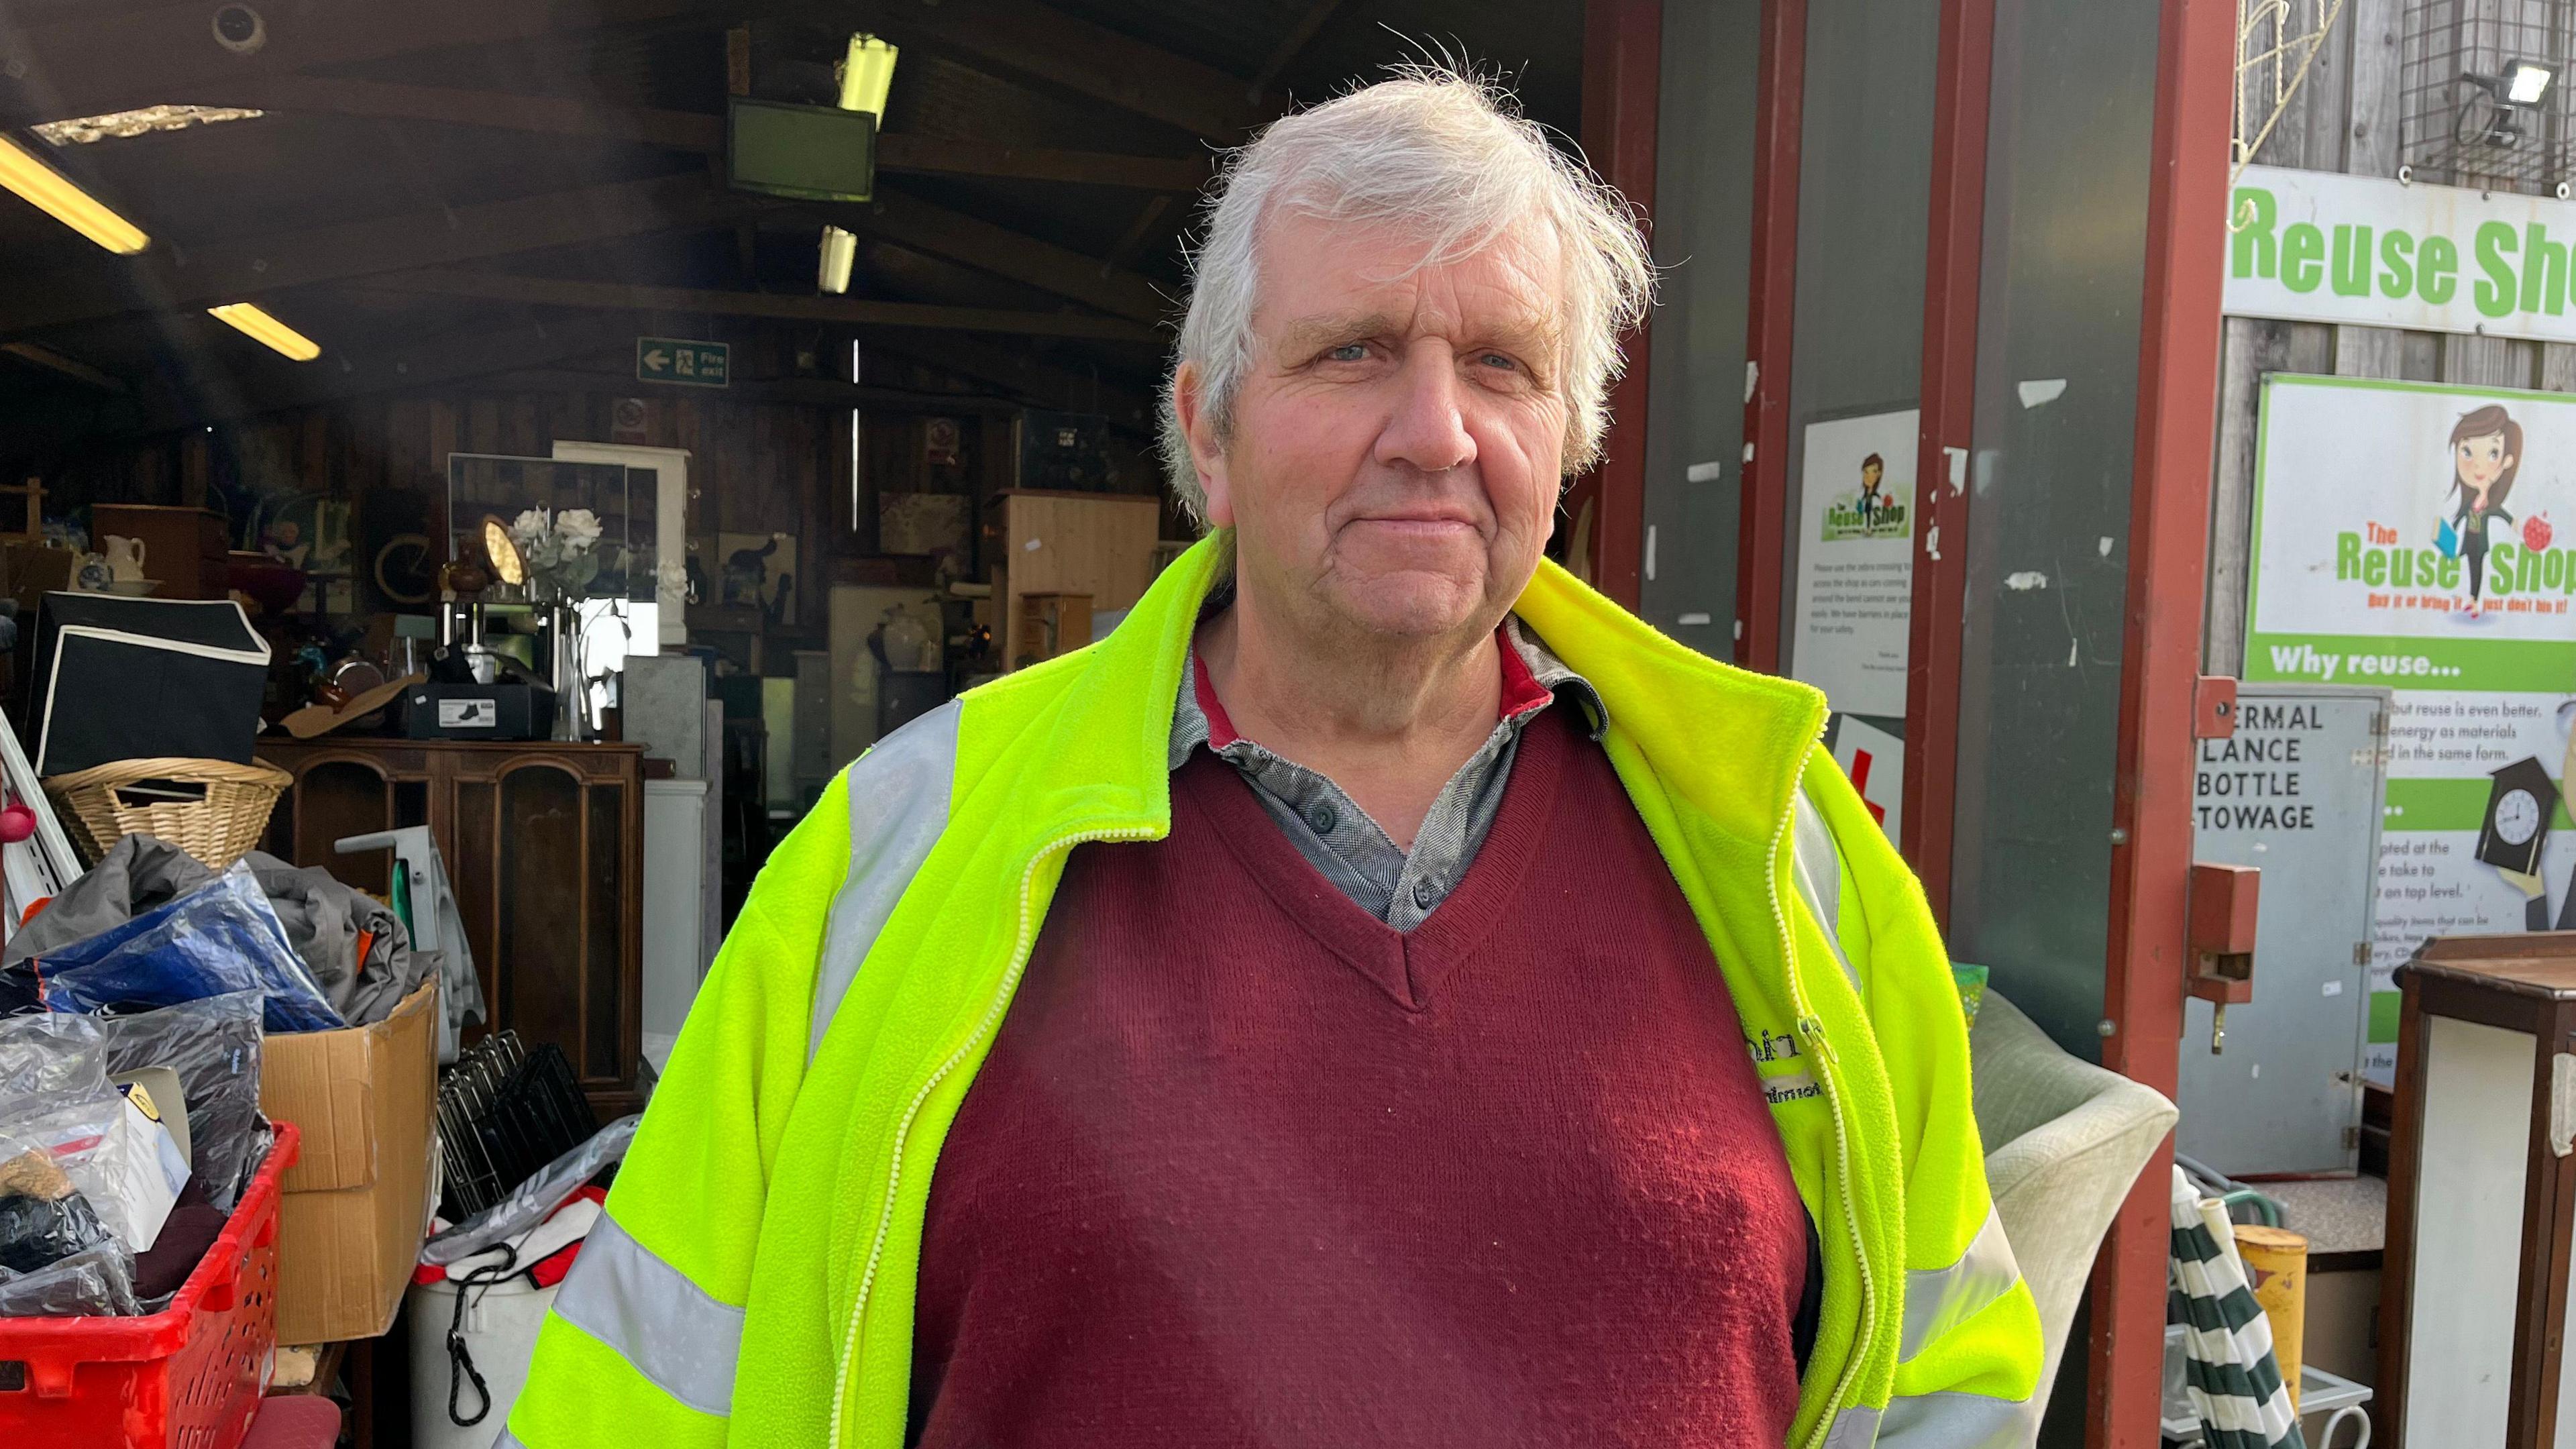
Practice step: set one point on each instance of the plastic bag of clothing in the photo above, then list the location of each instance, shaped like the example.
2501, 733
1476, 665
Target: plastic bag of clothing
123, 1163
212, 1044
137, 874
97, 1281
219, 939
534, 1199
44, 1217
35, 1062
326, 922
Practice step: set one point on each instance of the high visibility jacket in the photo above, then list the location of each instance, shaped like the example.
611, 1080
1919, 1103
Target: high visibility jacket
752, 1282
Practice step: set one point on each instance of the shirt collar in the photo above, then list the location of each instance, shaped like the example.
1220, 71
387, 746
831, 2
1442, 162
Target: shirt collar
1533, 677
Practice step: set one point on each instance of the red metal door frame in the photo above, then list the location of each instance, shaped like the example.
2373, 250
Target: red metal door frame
2151, 796
1953, 257
1622, 71
1779, 117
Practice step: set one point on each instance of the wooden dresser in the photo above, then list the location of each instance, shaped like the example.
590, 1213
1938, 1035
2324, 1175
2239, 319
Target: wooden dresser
544, 845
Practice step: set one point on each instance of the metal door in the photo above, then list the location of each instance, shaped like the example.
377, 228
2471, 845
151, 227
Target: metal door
2297, 793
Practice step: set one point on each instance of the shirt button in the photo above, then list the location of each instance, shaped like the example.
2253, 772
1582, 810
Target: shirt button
1423, 891
1322, 818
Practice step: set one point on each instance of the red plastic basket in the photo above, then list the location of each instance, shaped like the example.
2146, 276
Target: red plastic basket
188, 1377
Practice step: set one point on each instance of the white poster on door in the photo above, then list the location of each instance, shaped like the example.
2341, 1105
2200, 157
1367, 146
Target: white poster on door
1856, 561
2406, 535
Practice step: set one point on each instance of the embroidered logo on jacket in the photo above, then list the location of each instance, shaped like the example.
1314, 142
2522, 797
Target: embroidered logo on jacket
1788, 1086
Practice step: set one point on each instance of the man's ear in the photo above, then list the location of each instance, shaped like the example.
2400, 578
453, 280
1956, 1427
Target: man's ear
1207, 453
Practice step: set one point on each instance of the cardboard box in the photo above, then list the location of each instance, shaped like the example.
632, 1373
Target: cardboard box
357, 1201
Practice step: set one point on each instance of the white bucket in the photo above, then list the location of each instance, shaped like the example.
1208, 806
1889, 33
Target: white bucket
500, 1332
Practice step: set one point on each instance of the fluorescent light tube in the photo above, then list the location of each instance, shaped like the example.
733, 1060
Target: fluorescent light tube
54, 194
267, 330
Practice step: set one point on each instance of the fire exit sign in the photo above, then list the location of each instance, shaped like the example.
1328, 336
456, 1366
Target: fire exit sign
678, 360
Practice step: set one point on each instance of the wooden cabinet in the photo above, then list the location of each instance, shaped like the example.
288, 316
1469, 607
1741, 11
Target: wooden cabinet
1099, 544
183, 548
544, 846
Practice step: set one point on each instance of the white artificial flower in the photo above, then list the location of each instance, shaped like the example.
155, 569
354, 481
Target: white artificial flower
528, 527
579, 528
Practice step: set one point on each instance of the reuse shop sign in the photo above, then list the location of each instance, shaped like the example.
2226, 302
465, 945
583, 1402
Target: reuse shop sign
2422, 538
2313, 246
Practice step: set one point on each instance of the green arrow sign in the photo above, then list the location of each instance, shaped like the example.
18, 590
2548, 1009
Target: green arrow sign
679, 360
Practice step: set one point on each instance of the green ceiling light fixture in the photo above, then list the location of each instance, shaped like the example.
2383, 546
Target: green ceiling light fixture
840, 252
867, 73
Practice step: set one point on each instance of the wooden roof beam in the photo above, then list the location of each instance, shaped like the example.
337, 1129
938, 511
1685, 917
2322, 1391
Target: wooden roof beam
274, 386
853, 311
908, 221
1051, 384
232, 270
85, 64
897, 152
1087, 59
600, 375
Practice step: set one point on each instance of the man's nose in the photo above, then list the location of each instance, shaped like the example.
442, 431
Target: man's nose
1428, 429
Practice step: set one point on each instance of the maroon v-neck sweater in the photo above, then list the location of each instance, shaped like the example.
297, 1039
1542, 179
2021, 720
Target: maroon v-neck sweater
1246, 1166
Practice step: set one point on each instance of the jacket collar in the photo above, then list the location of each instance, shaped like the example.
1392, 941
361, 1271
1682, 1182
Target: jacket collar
1727, 741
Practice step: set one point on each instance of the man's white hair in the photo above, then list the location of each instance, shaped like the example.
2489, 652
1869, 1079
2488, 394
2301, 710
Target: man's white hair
1441, 154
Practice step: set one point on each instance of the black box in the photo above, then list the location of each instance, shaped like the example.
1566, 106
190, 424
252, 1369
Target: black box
478, 712
121, 678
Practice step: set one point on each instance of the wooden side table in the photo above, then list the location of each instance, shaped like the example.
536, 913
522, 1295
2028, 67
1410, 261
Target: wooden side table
2481, 1196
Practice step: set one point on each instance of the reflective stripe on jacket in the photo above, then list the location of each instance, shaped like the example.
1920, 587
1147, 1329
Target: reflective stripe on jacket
753, 1280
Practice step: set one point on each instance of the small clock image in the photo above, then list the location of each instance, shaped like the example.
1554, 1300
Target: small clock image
2517, 819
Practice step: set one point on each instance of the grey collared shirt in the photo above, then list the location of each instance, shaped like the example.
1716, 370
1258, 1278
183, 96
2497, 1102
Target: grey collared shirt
1338, 838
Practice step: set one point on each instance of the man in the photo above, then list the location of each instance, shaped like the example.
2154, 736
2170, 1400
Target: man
1371, 998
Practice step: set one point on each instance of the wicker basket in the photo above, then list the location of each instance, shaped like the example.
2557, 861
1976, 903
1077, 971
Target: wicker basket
100, 806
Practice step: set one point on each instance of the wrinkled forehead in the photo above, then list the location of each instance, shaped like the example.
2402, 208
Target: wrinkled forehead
1319, 277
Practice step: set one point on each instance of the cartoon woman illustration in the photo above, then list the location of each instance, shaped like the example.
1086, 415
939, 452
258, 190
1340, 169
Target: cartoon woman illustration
2486, 452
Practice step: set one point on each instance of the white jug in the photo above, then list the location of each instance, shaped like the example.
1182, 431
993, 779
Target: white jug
124, 558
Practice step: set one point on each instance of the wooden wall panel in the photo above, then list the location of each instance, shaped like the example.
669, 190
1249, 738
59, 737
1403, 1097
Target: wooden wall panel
759, 467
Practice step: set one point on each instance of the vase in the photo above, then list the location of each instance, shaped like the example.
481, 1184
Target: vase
561, 625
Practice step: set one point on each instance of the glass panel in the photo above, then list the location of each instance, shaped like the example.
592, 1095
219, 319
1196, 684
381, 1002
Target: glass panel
1864, 190
2057, 359
540, 967
1695, 386
524, 517
604, 943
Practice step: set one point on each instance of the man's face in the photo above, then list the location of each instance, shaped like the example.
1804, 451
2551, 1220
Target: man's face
1399, 433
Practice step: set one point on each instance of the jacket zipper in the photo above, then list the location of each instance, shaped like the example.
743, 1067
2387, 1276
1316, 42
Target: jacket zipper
991, 1019
1813, 1031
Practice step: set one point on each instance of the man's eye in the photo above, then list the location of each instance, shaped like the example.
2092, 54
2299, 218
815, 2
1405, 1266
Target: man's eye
1496, 359
1348, 352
